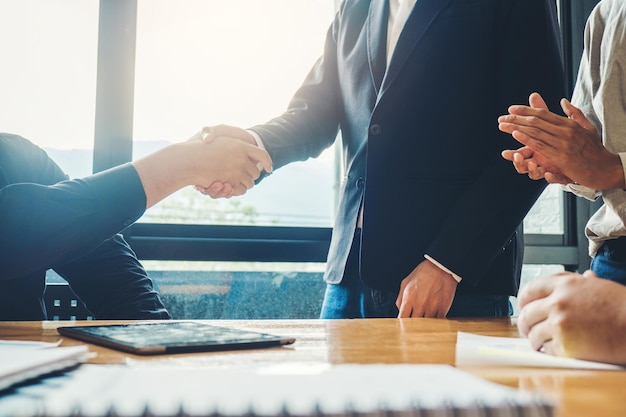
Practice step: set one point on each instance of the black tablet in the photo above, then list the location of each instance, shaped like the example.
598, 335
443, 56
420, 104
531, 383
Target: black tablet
172, 337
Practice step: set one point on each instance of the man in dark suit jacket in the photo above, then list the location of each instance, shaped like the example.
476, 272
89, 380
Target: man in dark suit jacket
441, 211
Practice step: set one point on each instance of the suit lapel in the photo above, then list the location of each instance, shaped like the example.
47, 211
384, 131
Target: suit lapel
377, 40
423, 14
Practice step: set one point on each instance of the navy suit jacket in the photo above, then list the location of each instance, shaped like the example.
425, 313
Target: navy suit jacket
50, 222
421, 145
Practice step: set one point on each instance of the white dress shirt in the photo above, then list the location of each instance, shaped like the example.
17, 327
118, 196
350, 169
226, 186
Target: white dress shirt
599, 93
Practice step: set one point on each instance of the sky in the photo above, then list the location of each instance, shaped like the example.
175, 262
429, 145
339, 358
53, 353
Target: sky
198, 62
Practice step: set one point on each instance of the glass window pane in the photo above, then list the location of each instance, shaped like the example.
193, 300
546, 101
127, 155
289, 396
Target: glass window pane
239, 290
236, 62
532, 272
547, 216
48, 76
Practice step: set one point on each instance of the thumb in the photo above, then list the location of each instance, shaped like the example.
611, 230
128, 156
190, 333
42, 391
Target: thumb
262, 157
575, 114
536, 101
589, 274
207, 135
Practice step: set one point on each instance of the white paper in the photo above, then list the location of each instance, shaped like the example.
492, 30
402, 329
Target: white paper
376, 390
478, 350
23, 360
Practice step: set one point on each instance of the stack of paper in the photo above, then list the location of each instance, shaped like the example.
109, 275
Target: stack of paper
479, 350
21, 361
337, 391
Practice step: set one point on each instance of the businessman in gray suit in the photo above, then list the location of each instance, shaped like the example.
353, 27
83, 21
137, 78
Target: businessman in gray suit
429, 219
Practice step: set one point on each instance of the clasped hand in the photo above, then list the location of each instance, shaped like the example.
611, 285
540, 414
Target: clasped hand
252, 164
559, 149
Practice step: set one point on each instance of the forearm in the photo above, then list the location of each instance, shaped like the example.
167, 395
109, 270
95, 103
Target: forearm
479, 225
44, 225
163, 173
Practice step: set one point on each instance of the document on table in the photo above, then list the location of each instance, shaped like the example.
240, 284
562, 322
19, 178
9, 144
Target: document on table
478, 350
333, 391
24, 360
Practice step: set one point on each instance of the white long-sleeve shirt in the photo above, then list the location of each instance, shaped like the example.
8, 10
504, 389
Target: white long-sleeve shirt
600, 93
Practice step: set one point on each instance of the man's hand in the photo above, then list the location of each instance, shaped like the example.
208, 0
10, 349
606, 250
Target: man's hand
527, 161
573, 315
571, 144
207, 134
193, 162
427, 292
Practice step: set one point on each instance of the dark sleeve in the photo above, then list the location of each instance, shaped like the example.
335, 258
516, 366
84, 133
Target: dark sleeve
489, 212
113, 284
311, 121
45, 225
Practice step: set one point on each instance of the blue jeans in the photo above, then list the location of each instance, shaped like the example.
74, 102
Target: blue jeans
610, 261
352, 298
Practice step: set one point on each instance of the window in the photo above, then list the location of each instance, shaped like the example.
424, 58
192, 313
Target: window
202, 63
48, 81
192, 63
235, 62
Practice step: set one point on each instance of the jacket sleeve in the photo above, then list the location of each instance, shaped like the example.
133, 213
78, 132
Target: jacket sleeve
311, 122
489, 212
45, 223
113, 283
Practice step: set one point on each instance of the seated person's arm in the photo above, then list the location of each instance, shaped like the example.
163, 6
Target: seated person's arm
44, 225
573, 315
113, 284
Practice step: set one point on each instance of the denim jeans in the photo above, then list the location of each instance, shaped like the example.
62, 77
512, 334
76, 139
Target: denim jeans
352, 298
610, 261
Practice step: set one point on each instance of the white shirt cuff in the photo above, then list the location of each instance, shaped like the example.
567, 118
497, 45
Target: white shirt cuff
259, 143
257, 138
455, 276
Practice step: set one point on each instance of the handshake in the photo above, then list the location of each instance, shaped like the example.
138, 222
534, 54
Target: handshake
242, 157
220, 161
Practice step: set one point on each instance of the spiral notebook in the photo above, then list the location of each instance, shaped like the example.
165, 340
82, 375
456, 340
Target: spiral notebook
341, 390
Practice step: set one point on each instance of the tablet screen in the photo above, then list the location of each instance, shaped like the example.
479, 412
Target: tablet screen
172, 337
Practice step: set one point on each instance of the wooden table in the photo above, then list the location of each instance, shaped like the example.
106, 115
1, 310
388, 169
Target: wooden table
578, 392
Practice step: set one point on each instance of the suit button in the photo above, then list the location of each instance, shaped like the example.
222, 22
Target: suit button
376, 129
360, 183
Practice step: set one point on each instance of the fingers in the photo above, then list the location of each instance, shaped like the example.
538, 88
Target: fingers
539, 288
524, 165
508, 154
536, 101
554, 178
211, 132
589, 274
399, 301
576, 114
262, 157
234, 164
530, 315
206, 134
247, 182
525, 152
540, 337
216, 190
405, 311
539, 124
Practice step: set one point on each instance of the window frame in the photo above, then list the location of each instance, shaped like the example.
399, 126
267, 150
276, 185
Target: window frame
113, 146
